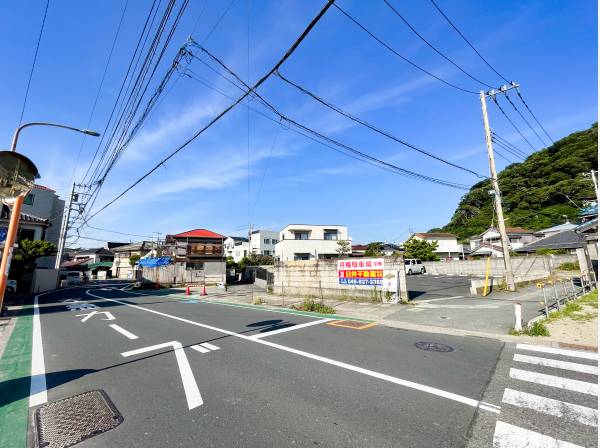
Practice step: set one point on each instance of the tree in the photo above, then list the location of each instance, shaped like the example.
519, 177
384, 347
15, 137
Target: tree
30, 250
421, 249
256, 260
134, 259
374, 249
231, 262
343, 248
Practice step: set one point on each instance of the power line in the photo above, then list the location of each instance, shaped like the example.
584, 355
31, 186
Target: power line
467, 40
512, 123
218, 22
288, 53
507, 149
534, 117
430, 45
35, 54
116, 232
519, 151
524, 119
373, 127
499, 154
392, 50
333, 141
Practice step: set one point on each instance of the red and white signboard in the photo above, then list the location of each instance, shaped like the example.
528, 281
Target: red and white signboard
363, 271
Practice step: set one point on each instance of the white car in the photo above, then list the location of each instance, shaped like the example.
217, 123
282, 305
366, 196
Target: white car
413, 266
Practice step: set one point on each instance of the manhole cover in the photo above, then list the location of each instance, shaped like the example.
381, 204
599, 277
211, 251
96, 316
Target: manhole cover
433, 347
64, 423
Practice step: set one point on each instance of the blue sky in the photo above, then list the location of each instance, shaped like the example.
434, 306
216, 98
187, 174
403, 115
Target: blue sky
549, 47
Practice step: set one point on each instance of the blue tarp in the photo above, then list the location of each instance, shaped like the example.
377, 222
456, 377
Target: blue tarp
154, 262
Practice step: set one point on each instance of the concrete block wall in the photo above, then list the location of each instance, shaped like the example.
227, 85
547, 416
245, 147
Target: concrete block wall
320, 279
522, 266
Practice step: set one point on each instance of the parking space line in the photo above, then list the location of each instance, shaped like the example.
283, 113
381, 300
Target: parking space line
381, 376
124, 332
200, 349
292, 328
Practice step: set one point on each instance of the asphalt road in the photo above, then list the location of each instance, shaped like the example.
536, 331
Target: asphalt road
426, 287
311, 385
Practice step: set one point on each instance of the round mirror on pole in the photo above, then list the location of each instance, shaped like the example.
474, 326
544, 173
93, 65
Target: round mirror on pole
17, 175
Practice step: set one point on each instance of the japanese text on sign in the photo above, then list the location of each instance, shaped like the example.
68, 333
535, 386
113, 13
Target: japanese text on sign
365, 271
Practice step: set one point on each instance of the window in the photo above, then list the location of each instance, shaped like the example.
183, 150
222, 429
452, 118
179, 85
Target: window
331, 235
29, 199
301, 236
27, 234
301, 256
266, 252
266, 240
273, 241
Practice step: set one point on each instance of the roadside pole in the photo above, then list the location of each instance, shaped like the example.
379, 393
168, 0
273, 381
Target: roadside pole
64, 228
510, 280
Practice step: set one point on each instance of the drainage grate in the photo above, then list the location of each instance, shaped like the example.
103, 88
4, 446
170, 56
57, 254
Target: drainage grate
433, 347
65, 422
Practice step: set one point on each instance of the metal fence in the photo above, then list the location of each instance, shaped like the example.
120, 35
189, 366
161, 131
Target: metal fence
557, 292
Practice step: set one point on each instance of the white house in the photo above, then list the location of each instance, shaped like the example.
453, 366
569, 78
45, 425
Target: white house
263, 242
121, 265
236, 247
448, 247
517, 236
310, 242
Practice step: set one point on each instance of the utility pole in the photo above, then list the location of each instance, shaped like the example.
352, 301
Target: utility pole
64, 228
510, 279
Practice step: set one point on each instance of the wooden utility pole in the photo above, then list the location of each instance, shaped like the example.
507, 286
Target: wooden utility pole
510, 279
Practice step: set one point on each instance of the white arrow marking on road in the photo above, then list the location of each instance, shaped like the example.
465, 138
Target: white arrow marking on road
192, 393
109, 316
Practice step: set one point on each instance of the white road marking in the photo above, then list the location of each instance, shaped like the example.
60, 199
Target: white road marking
123, 331
292, 328
37, 390
555, 381
410, 384
439, 300
568, 411
565, 365
510, 436
192, 393
109, 316
200, 349
559, 351
209, 346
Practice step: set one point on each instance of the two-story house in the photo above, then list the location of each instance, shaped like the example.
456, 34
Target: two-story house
489, 243
447, 244
236, 247
310, 241
195, 247
263, 242
121, 265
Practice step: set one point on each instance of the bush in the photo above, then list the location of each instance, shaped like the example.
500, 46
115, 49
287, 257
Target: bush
537, 329
569, 266
311, 305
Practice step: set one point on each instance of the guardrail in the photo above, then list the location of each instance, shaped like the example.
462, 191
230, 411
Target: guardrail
561, 291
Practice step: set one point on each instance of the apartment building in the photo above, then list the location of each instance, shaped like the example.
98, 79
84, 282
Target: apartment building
310, 241
262, 242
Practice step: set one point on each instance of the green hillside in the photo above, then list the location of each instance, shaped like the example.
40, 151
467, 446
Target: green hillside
534, 191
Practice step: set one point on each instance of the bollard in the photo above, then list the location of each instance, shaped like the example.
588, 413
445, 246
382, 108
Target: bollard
204, 290
187, 290
518, 317
545, 301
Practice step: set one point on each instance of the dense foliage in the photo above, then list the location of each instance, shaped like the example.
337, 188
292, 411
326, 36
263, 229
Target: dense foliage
374, 249
537, 192
421, 249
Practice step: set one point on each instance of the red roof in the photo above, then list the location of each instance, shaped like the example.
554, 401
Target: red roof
359, 246
198, 233
517, 230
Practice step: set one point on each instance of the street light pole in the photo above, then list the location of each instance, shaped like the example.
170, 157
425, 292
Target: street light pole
13, 226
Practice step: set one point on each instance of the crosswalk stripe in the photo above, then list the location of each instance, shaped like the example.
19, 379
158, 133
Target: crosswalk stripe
510, 436
209, 346
565, 365
559, 351
554, 381
568, 411
200, 349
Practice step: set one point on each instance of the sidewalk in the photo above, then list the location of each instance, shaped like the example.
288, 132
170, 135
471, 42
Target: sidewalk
490, 317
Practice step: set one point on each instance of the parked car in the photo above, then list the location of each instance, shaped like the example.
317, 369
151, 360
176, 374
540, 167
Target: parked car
11, 286
71, 278
413, 266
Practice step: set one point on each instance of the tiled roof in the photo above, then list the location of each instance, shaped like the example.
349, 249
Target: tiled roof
560, 227
569, 239
135, 246
198, 233
517, 230
435, 235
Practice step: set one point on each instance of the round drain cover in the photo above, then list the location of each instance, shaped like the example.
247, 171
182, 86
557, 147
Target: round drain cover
433, 347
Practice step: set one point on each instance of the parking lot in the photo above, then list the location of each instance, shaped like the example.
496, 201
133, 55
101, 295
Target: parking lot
426, 287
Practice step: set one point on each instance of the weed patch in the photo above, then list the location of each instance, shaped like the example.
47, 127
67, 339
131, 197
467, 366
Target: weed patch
311, 305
